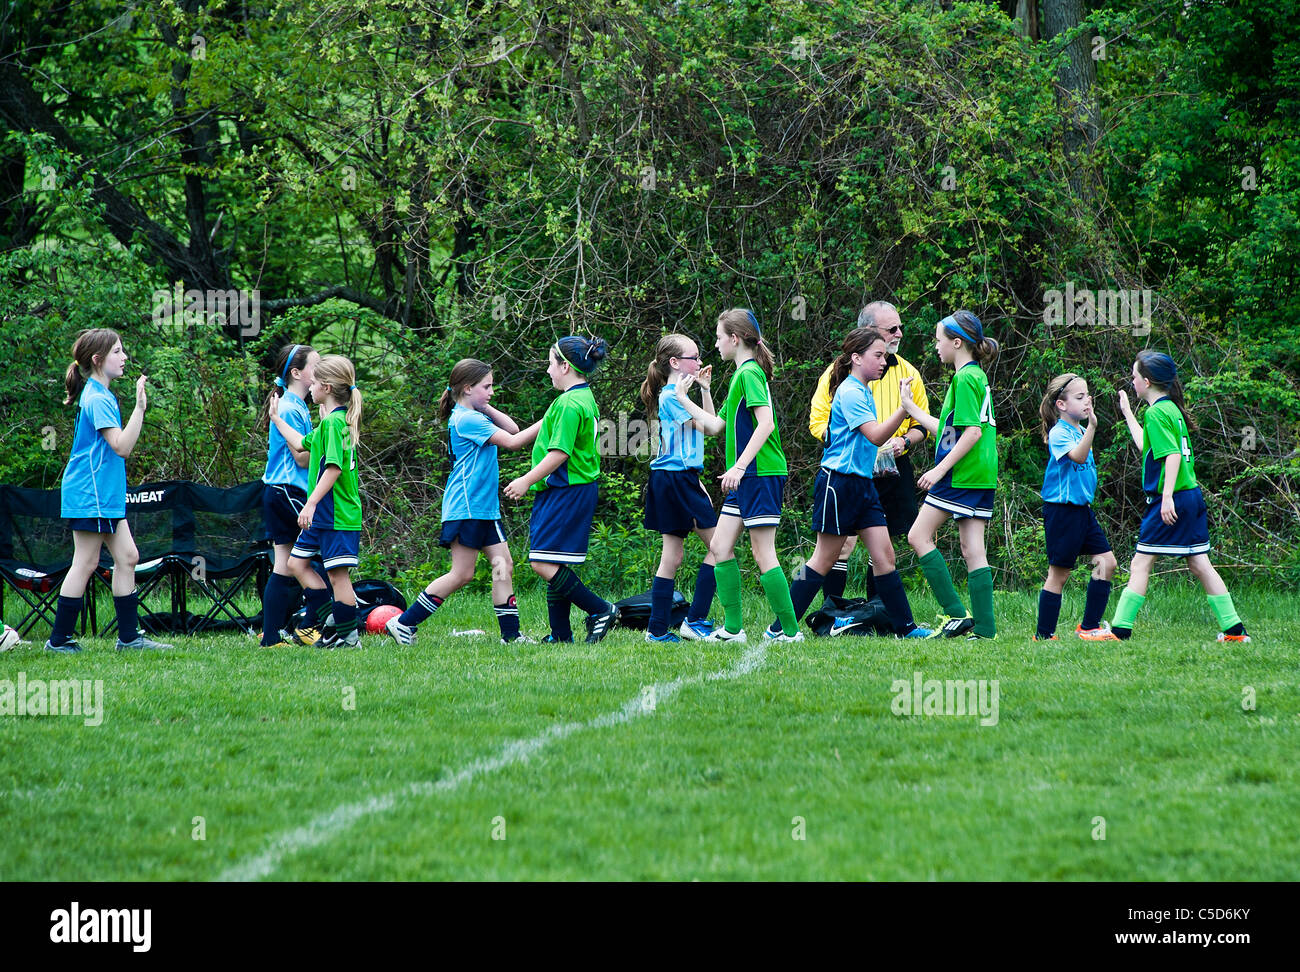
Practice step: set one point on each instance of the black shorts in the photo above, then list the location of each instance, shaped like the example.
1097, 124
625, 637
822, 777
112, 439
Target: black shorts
281, 504
1071, 530
676, 502
843, 504
475, 534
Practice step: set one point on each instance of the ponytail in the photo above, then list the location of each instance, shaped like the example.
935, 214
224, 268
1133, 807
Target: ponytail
1055, 392
740, 322
337, 372
656, 374
857, 341
1160, 370
96, 342
965, 325
353, 415
465, 373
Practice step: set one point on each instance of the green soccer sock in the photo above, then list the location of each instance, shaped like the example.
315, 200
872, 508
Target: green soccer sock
777, 590
1130, 603
1221, 605
727, 574
936, 572
980, 583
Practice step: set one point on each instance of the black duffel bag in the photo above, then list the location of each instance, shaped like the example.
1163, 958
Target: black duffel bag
856, 616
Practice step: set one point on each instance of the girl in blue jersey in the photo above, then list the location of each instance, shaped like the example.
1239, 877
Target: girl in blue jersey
1069, 525
676, 502
845, 502
94, 488
471, 509
285, 482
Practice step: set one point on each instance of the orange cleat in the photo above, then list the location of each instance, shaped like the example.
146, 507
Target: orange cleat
1096, 634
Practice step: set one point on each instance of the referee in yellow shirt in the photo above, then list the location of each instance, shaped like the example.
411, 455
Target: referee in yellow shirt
897, 491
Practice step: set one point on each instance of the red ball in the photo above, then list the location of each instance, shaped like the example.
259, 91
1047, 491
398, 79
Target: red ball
378, 617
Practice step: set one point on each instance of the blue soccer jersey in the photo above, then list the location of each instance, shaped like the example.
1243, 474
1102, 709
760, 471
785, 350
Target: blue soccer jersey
281, 469
679, 447
847, 449
472, 487
1065, 480
94, 481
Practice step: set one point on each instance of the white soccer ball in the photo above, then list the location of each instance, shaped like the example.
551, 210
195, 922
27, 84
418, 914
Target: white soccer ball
8, 639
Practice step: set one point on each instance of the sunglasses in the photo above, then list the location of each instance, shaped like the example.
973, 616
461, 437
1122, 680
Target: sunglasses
687, 357
896, 329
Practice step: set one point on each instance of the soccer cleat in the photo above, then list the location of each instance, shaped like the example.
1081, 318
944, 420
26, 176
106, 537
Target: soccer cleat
696, 630
335, 640
523, 639
773, 631
979, 637
282, 643
550, 639
1243, 637
1038, 637
303, 636
667, 638
402, 634
777, 639
141, 643
847, 625
69, 647
1100, 633
952, 627
914, 633
598, 625
722, 634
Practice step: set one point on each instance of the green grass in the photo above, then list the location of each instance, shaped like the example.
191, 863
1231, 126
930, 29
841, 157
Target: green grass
1149, 734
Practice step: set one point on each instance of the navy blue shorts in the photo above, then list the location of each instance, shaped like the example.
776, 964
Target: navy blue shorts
961, 503
843, 504
1190, 533
90, 524
757, 501
1071, 530
560, 525
475, 534
281, 504
337, 548
676, 502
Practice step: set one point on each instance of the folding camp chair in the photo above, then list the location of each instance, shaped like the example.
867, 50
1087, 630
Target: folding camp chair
35, 555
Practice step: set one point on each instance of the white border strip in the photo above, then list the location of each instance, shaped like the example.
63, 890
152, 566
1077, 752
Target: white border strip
326, 826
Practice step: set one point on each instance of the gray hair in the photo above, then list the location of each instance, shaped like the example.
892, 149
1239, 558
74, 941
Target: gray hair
867, 316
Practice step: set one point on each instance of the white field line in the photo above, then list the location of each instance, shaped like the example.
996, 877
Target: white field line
326, 826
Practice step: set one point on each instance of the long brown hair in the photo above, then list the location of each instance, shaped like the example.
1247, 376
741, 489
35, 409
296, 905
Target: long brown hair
857, 341
1055, 392
983, 347
337, 372
742, 323
656, 375
96, 342
464, 374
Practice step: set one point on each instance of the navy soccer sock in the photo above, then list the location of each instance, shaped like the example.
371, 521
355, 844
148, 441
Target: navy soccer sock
836, 579
890, 588
557, 609
706, 586
508, 618
276, 601
1095, 605
65, 619
1049, 611
423, 607
345, 618
661, 605
128, 617
578, 593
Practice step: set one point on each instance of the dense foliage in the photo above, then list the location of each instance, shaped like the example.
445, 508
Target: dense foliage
413, 182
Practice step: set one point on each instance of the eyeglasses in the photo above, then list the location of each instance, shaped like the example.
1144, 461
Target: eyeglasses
687, 357
896, 329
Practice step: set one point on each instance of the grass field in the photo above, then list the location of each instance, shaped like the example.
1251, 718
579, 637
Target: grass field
465, 759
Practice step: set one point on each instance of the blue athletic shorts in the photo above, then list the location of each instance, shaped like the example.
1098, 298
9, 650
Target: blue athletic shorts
560, 525
1071, 530
961, 503
1190, 533
475, 534
337, 548
757, 501
843, 504
676, 502
281, 504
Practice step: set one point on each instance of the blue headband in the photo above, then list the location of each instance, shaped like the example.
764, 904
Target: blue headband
950, 322
284, 376
754, 320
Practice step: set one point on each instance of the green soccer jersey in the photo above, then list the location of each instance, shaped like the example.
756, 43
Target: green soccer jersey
570, 425
1163, 433
969, 402
331, 445
747, 392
